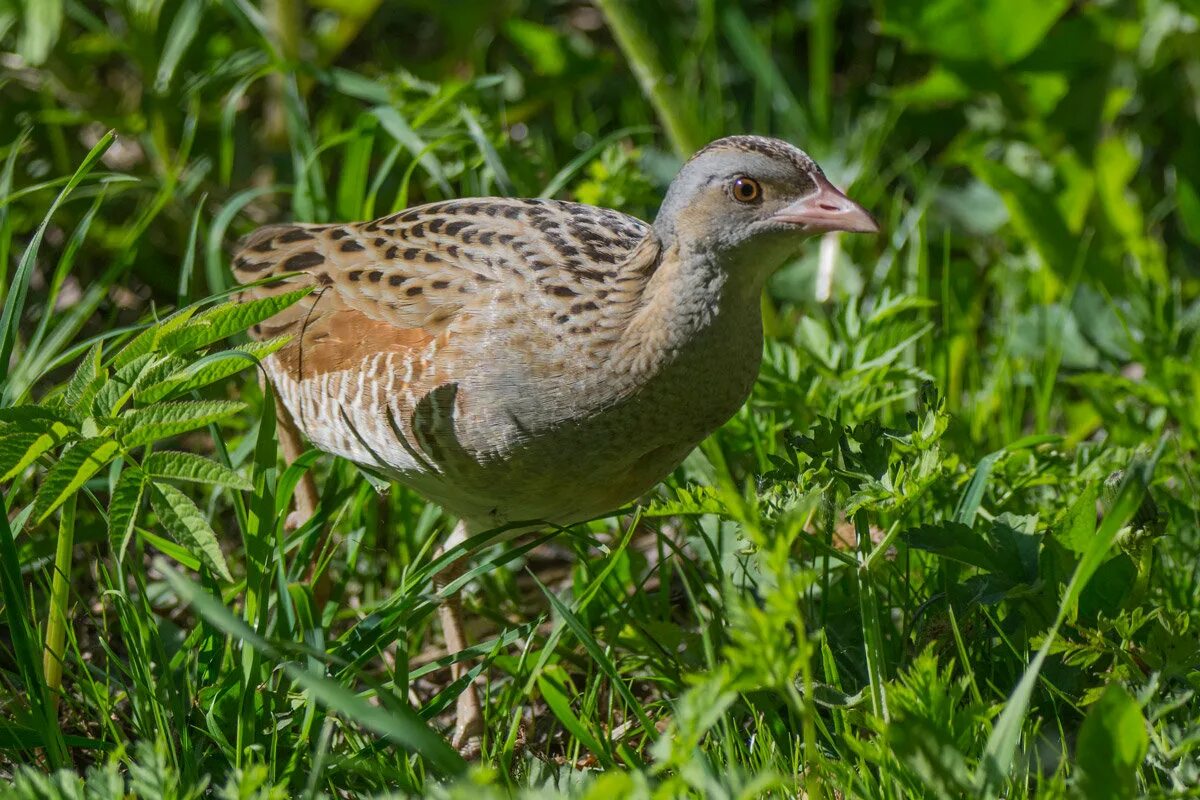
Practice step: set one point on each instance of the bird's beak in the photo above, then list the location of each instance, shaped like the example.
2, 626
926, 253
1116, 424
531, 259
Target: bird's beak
827, 209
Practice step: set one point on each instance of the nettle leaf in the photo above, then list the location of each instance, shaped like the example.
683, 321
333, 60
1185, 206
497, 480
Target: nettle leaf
148, 340
162, 369
194, 468
145, 425
86, 378
210, 370
37, 418
186, 523
118, 389
123, 509
71, 471
227, 319
21, 447
13, 447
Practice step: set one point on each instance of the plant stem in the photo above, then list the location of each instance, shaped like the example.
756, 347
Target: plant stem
682, 127
869, 608
56, 623
820, 63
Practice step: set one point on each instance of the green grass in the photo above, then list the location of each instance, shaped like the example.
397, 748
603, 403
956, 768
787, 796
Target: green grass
950, 547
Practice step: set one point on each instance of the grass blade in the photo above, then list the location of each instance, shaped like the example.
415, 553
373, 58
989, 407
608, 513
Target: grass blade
402, 726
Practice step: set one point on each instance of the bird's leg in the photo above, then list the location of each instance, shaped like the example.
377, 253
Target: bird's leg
468, 721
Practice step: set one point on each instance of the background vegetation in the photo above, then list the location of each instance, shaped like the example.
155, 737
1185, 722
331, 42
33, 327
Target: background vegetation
950, 548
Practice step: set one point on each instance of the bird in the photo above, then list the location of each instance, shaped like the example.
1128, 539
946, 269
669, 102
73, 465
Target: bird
534, 360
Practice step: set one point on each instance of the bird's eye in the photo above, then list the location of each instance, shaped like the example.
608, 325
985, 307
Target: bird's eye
746, 190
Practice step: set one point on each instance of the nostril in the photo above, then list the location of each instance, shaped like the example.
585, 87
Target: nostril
828, 207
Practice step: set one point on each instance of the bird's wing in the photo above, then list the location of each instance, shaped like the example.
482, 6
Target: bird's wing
406, 276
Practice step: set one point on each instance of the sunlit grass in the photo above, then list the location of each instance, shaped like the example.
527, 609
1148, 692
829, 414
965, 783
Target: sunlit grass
949, 548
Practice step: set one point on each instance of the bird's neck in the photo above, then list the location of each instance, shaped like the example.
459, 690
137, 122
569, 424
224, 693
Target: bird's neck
691, 307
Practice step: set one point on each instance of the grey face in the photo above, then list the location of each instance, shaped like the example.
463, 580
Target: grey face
745, 190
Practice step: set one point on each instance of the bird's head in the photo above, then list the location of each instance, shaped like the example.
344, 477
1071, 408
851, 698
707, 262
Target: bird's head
750, 198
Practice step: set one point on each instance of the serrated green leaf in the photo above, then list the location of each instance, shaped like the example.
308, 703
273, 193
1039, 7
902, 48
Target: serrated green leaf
116, 392
148, 340
86, 373
227, 319
13, 447
123, 507
212, 369
37, 418
145, 425
74, 469
40, 443
688, 500
194, 468
87, 394
187, 525
161, 370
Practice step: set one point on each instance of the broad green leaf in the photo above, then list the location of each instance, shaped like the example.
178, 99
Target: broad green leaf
1035, 215
956, 541
996, 31
145, 425
544, 46
187, 525
123, 508
208, 370
1078, 524
77, 465
42, 22
226, 320
1112, 744
194, 468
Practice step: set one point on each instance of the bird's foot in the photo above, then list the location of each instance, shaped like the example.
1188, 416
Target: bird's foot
468, 724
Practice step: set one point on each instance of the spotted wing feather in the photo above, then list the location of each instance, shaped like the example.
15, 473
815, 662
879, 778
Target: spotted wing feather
392, 293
